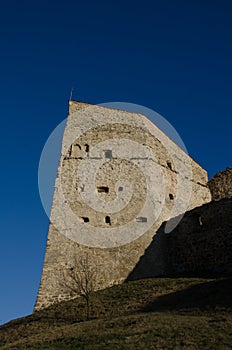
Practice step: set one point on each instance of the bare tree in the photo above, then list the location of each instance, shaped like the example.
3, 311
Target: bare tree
80, 279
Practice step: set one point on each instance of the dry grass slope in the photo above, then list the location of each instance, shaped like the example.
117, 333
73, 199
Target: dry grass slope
161, 313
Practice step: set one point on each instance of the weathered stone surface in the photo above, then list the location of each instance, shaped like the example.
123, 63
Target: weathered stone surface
220, 185
200, 245
202, 242
118, 179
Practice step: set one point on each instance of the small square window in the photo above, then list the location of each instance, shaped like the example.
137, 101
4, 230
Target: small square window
85, 219
108, 154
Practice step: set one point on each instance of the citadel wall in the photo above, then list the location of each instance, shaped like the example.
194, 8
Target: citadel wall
119, 178
220, 184
202, 242
201, 245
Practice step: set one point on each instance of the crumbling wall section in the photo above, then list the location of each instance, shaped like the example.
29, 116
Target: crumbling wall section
220, 184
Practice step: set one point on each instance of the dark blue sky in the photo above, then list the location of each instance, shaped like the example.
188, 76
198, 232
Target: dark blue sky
171, 56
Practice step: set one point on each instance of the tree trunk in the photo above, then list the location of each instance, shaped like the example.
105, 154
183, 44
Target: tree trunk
87, 308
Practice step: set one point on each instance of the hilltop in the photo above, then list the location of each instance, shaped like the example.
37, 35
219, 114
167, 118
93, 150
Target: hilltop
161, 313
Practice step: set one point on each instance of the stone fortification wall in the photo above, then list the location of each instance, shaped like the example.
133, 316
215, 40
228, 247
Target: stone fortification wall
202, 242
220, 185
201, 245
119, 178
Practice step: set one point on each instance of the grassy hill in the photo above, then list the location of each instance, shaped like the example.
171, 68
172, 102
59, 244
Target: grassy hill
161, 313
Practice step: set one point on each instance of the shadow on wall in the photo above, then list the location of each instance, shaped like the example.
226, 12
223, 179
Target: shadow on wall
156, 261
201, 245
153, 263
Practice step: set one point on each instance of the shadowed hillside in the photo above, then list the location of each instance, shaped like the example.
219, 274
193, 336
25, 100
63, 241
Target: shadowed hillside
163, 313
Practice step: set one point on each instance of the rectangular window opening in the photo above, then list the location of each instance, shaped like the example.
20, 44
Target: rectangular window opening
141, 219
103, 189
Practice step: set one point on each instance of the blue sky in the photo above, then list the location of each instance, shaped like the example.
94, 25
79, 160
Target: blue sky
171, 56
